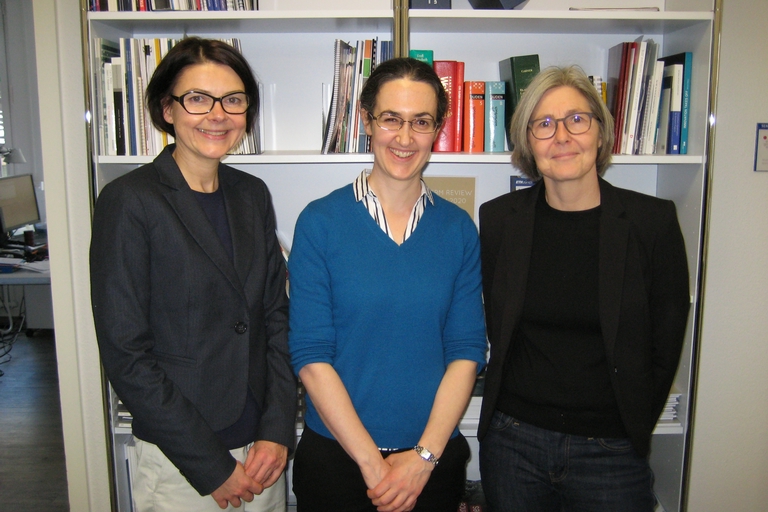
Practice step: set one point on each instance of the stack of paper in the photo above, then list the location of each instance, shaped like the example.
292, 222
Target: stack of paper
669, 413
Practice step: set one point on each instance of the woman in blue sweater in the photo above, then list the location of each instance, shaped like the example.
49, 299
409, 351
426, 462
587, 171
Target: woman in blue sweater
386, 321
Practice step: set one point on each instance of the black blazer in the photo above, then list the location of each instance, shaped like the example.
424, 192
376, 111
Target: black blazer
643, 289
182, 331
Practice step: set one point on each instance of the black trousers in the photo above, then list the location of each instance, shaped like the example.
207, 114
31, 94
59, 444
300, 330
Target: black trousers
326, 479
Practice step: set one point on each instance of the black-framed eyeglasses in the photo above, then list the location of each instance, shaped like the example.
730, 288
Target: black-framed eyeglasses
199, 103
576, 124
393, 123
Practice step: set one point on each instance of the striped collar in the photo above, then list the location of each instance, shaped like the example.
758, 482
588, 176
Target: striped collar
364, 194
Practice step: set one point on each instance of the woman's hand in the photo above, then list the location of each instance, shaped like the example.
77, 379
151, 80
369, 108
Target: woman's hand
402, 485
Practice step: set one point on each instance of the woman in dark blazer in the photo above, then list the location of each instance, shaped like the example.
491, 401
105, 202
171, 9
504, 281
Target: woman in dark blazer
587, 299
189, 302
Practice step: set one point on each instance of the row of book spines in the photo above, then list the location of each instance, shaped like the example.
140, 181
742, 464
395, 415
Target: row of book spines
650, 99
125, 125
170, 5
484, 106
475, 121
344, 131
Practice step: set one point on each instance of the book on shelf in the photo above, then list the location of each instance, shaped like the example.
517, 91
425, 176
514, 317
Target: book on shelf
426, 56
675, 108
633, 96
429, 4
123, 124
623, 106
172, 5
344, 131
451, 74
686, 60
118, 103
662, 131
519, 183
651, 55
459, 136
517, 72
106, 50
494, 116
617, 77
495, 4
474, 116
651, 110
600, 87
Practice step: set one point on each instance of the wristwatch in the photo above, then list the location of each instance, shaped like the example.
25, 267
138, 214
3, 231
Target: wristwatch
426, 455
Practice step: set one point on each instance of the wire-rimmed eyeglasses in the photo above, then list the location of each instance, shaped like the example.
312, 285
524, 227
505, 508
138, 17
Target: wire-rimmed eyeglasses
199, 103
576, 124
393, 123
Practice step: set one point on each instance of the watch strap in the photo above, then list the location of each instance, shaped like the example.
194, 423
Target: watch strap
426, 455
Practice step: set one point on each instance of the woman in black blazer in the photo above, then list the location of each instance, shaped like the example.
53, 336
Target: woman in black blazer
586, 296
189, 302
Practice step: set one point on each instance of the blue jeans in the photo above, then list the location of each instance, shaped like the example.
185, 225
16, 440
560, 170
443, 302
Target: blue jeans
530, 469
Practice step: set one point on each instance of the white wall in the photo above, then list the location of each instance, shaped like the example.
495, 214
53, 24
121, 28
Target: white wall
729, 462
23, 115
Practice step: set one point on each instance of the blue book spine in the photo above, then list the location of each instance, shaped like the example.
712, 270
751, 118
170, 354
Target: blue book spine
494, 116
673, 147
686, 110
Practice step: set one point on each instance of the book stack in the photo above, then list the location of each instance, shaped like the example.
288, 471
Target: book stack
669, 414
124, 416
343, 130
476, 112
123, 72
172, 5
646, 97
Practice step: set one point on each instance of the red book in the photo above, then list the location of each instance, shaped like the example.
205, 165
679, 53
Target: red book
448, 71
621, 95
459, 112
474, 116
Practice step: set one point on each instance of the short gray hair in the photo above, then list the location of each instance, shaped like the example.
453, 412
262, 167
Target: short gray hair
549, 78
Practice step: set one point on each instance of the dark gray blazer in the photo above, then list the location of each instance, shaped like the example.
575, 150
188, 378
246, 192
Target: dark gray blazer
182, 331
643, 290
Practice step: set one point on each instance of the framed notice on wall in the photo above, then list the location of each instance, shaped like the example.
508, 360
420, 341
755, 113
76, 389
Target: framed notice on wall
761, 148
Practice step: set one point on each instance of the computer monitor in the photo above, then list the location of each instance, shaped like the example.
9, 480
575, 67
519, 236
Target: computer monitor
18, 203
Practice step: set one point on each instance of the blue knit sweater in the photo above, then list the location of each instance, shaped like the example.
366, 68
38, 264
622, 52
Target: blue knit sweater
388, 318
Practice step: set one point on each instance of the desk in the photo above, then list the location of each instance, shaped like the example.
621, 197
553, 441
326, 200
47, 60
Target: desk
37, 296
24, 277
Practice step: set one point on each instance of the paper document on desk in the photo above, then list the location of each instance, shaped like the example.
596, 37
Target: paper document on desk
36, 266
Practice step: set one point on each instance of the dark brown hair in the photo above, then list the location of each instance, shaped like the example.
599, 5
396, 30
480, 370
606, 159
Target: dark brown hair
410, 69
188, 52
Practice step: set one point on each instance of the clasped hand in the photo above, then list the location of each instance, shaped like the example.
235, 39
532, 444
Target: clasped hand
404, 477
263, 466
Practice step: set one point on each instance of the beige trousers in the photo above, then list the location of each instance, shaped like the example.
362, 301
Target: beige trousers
158, 486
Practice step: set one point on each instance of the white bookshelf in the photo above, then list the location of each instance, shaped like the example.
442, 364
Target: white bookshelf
292, 55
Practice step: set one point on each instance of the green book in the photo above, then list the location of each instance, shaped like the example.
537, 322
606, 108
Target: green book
517, 72
422, 55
